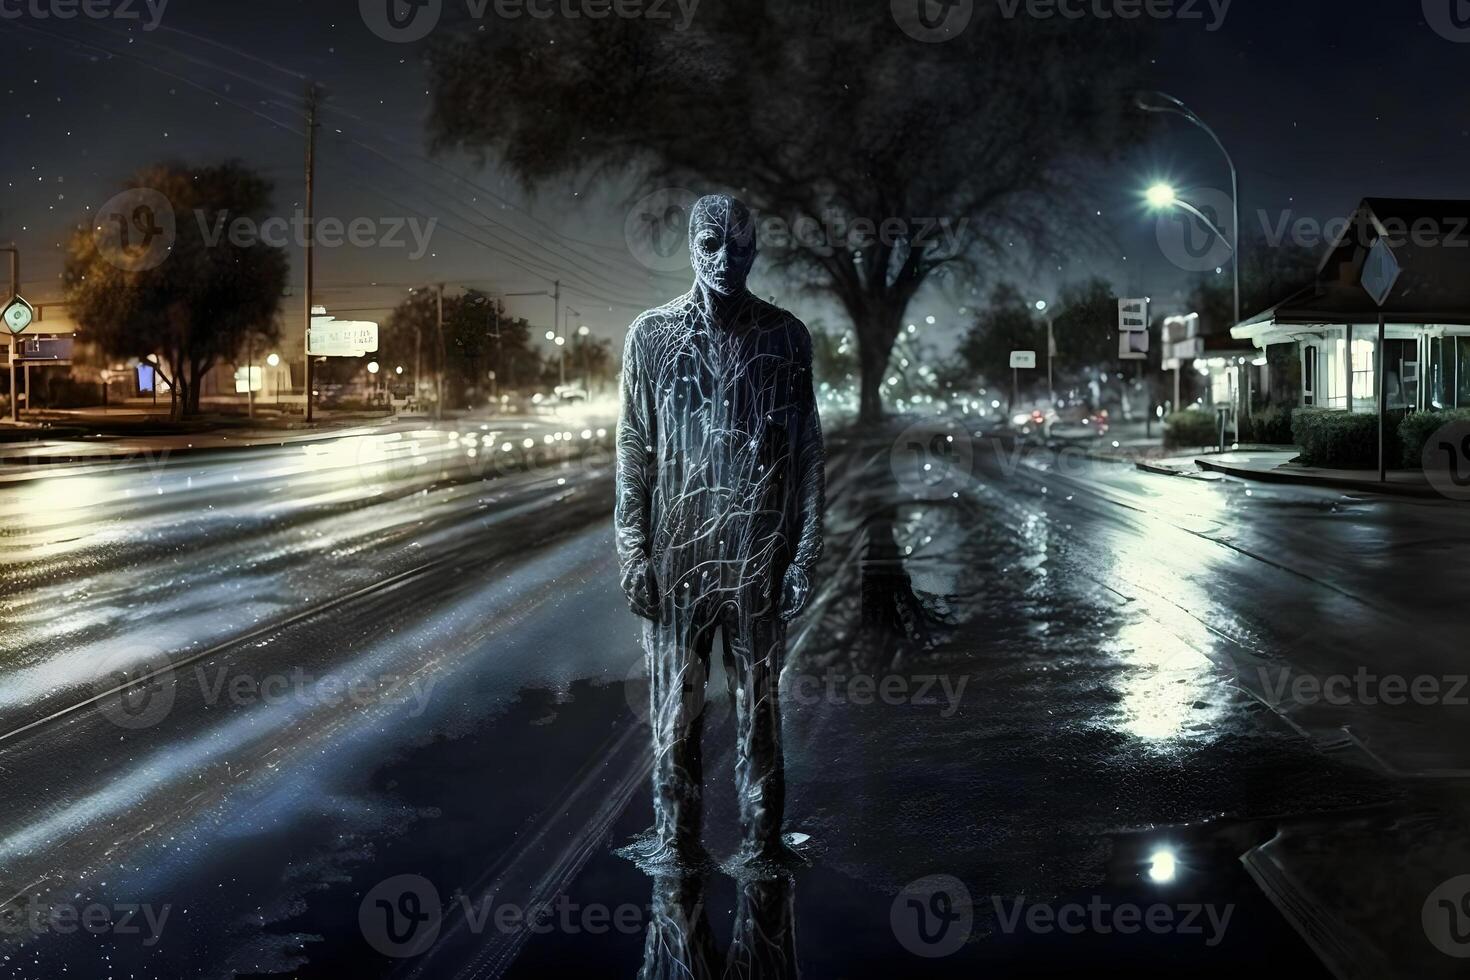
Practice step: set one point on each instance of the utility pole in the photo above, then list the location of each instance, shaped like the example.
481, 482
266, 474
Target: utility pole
495, 373
311, 94
556, 322
250, 378
439, 382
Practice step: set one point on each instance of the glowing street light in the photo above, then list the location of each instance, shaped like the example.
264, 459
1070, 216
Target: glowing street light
551, 335
372, 367
583, 330
274, 360
1161, 196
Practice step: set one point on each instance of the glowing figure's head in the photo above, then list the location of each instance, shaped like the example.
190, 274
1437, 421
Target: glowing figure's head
721, 243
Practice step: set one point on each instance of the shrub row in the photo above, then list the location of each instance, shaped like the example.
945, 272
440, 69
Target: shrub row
1416, 429
1189, 428
1344, 440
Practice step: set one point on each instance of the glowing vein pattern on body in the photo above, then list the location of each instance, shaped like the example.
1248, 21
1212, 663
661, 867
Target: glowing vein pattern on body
719, 517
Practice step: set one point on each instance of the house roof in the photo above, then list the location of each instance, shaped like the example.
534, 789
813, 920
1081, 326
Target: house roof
1431, 241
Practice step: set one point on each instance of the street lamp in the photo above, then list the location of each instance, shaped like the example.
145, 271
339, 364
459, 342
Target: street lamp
1163, 102
1161, 196
1051, 391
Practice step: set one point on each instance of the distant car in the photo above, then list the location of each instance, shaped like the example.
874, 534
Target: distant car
1034, 423
1080, 425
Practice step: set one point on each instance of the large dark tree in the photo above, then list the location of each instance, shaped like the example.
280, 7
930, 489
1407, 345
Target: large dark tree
815, 111
203, 293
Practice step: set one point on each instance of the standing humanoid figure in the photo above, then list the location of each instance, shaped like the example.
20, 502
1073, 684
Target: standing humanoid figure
719, 520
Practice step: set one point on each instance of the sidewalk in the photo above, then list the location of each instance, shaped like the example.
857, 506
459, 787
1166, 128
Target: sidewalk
1276, 466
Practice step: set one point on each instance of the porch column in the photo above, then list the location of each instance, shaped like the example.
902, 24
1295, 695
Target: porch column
1347, 360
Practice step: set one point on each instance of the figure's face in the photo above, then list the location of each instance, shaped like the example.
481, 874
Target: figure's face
721, 243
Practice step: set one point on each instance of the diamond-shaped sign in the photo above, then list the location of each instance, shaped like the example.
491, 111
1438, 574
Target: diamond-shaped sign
18, 315
1380, 271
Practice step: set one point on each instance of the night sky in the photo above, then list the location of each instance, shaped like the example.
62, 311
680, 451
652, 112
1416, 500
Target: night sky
1322, 102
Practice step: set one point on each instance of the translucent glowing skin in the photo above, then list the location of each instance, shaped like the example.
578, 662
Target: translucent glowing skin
719, 514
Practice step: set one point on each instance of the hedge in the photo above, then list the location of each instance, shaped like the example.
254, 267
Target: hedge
1416, 429
1270, 426
1190, 427
1344, 440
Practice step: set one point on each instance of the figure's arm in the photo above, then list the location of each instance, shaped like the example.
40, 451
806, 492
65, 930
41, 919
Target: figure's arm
635, 470
811, 485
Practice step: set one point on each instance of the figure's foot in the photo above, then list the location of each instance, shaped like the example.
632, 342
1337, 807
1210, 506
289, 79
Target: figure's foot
766, 858
660, 855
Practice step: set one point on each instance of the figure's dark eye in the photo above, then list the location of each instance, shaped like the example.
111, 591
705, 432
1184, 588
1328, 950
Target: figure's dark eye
708, 244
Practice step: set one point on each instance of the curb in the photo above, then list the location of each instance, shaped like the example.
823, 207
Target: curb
1277, 476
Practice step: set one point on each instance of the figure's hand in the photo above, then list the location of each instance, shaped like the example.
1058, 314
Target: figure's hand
795, 589
641, 588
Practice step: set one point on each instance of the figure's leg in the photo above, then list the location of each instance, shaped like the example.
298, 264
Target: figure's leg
754, 651
677, 654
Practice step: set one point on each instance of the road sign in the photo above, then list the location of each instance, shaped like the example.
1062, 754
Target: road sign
1023, 359
1380, 272
1133, 329
18, 315
331, 337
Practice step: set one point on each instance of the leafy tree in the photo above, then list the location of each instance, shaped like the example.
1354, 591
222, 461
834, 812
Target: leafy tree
834, 361
888, 161
1007, 324
1085, 328
206, 296
479, 337
589, 358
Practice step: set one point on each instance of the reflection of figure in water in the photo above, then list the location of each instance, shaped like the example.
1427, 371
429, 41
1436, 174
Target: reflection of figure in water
719, 521
680, 946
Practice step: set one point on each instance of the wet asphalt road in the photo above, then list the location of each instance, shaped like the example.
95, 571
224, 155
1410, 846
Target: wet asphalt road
384, 657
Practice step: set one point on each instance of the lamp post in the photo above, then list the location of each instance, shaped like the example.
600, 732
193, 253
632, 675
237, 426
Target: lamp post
1045, 308
1165, 103
13, 340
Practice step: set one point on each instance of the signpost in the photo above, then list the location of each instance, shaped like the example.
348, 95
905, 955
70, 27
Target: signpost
330, 337
1020, 359
1381, 272
1133, 329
